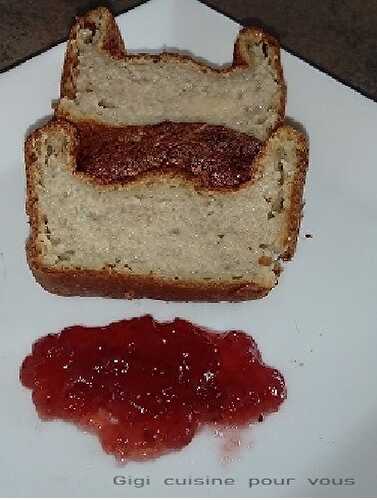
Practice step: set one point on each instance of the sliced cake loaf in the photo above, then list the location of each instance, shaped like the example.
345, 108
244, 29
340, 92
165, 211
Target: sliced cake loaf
102, 82
162, 233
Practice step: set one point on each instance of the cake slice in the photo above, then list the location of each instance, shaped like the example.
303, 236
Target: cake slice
102, 82
179, 224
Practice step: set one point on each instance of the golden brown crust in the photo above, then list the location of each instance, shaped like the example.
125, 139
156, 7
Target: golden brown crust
70, 70
108, 283
296, 200
112, 43
31, 196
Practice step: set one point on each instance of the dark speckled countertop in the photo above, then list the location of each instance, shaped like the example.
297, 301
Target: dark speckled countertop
338, 36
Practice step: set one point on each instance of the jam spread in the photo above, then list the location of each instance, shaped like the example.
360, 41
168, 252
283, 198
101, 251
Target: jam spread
218, 156
146, 387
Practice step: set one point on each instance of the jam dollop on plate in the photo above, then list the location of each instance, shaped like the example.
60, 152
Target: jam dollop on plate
145, 387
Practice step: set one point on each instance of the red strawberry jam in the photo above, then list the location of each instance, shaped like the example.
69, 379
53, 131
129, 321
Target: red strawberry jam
146, 387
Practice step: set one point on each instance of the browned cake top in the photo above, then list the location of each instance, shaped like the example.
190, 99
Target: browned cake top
219, 156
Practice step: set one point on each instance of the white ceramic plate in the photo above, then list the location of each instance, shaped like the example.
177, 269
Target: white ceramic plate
318, 327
